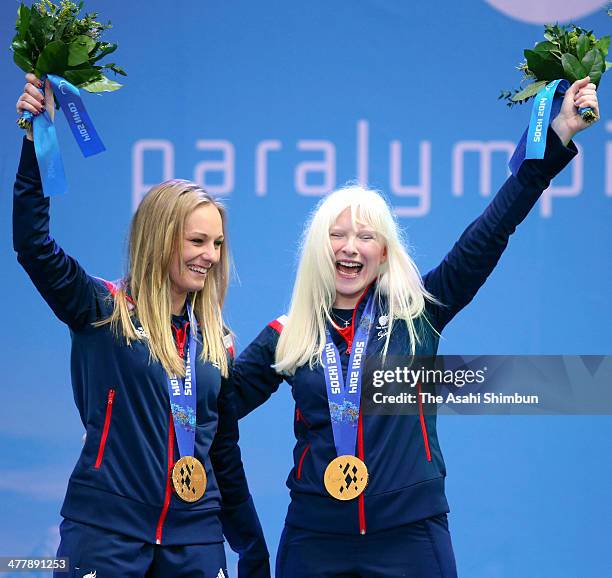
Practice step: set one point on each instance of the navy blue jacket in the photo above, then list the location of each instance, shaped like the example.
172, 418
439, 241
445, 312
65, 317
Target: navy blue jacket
121, 481
402, 453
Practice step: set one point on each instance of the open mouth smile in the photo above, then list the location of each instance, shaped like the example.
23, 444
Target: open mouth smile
349, 269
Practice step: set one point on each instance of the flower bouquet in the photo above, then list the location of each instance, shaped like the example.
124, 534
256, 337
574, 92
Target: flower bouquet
54, 43
567, 52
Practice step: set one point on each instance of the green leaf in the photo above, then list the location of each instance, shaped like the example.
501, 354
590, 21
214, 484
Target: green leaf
78, 50
20, 46
115, 68
82, 76
102, 85
88, 41
29, 38
58, 33
529, 91
582, 47
608, 65
543, 65
42, 28
53, 59
85, 66
593, 63
535, 62
23, 20
22, 55
573, 69
545, 47
106, 50
589, 58
36, 28
23, 62
604, 45
48, 28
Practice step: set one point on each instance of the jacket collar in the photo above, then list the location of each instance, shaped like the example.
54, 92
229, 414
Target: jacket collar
348, 333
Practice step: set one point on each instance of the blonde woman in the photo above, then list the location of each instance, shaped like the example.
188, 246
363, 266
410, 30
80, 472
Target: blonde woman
160, 479
367, 492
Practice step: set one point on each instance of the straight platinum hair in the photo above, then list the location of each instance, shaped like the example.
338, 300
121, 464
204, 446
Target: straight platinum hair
399, 282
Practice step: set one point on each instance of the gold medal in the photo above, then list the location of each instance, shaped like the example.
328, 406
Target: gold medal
346, 477
189, 479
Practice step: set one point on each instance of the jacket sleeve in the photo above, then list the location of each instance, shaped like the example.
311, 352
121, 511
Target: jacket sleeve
62, 282
466, 267
253, 377
239, 519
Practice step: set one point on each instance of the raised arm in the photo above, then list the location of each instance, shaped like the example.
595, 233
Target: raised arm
65, 286
253, 377
466, 267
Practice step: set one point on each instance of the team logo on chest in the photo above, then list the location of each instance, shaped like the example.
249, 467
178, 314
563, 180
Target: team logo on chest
382, 327
142, 334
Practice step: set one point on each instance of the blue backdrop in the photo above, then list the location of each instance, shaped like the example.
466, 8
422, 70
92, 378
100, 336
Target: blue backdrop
271, 104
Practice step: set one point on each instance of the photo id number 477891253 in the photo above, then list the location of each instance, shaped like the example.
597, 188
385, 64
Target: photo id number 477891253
17, 564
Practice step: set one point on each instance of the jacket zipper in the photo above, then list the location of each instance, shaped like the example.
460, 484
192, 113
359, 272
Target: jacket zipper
423, 424
299, 469
107, 420
162, 516
349, 341
181, 338
299, 416
360, 450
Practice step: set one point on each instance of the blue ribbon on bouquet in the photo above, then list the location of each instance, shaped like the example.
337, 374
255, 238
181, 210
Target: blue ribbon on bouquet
546, 107
45, 137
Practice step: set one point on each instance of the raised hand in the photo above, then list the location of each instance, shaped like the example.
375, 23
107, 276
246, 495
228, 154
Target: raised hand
568, 122
33, 100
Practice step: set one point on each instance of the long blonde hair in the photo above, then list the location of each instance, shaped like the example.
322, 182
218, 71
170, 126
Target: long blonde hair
303, 337
156, 232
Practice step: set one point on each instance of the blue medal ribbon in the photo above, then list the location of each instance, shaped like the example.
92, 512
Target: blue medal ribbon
344, 400
546, 107
182, 393
45, 138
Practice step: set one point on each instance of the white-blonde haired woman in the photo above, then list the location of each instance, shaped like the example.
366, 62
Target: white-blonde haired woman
367, 491
160, 479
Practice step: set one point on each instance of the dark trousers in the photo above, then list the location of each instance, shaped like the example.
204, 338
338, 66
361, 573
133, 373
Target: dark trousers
422, 549
98, 553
